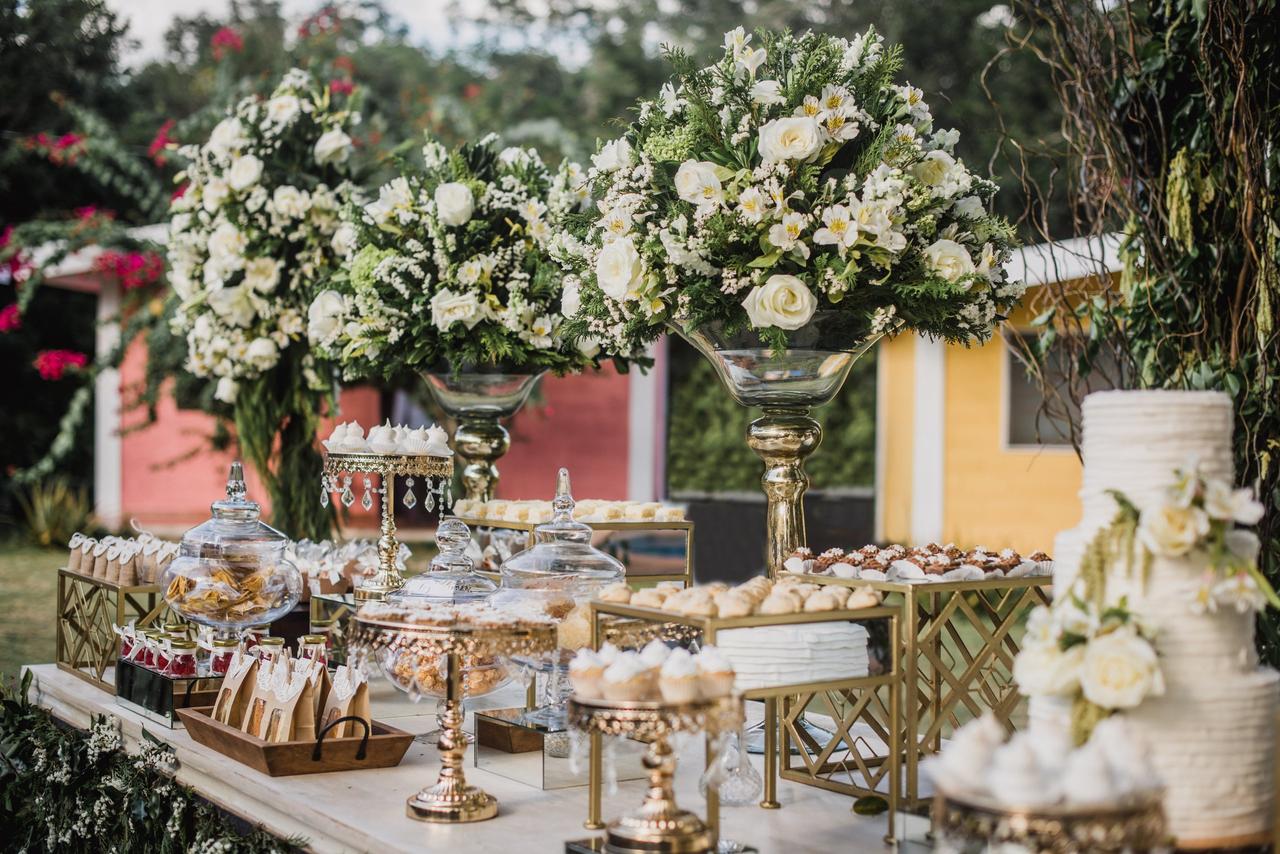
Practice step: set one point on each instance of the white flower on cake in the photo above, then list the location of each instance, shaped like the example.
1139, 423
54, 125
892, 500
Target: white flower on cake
1231, 505
949, 259
454, 203
792, 138
1119, 670
1045, 669
244, 172
697, 183
782, 301
1171, 530
333, 146
620, 269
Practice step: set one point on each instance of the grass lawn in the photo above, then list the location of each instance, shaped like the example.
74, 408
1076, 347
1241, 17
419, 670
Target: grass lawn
28, 600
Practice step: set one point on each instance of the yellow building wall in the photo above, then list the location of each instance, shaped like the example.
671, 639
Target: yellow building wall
993, 495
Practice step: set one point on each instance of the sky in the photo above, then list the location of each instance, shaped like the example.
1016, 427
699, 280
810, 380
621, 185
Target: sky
148, 20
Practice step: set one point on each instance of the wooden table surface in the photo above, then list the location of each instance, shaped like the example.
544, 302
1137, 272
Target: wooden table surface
365, 810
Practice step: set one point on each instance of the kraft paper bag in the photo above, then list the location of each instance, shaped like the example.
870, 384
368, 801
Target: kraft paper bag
348, 695
237, 686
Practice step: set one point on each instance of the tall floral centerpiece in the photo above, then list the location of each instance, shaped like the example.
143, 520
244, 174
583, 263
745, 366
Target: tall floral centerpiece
250, 240
782, 209
450, 279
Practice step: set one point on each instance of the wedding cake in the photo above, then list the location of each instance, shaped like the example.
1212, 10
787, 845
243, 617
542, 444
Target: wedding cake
1211, 733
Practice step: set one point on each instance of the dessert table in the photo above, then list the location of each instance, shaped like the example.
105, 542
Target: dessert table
365, 810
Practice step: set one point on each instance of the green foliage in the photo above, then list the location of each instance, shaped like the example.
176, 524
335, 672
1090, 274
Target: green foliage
707, 450
1174, 141
65, 790
53, 510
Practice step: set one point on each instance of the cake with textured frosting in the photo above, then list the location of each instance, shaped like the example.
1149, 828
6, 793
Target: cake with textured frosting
769, 656
1211, 733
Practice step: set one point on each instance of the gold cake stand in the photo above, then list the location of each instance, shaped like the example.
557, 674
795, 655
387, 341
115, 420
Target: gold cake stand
451, 799
659, 825
965, 823
437, 472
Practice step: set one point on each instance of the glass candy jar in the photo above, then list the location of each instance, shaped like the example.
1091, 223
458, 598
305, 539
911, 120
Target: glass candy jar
182, 658
231, 571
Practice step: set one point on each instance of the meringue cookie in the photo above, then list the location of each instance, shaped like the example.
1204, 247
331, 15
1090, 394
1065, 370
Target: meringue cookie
382, 440
1015, 777
414, 443
1086, 779
438, 440
962, 765
353, 441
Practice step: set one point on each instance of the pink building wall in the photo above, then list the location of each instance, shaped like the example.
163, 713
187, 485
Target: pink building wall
169, 474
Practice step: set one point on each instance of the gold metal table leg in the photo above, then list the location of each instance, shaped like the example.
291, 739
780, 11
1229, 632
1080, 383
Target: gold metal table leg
594, 783
770, 801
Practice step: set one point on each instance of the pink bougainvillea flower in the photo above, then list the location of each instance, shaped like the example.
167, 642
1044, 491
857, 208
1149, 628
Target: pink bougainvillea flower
160, 143
10, 318
338, 86
53, 364
224, 41
131, 269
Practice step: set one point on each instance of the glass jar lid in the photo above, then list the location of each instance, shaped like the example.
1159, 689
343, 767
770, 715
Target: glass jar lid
451, 576
562, 556
236, 531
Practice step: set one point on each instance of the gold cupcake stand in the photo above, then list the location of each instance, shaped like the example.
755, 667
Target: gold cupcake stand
337, 478
451, 799
968, 825
845, 763
659, 825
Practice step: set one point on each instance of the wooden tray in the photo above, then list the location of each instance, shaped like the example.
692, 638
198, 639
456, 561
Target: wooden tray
383, 748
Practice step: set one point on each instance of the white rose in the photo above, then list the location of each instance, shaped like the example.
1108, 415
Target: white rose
449, 307
344, 240
619, 269
391, 198
1119, 670
589, 347
226, 246
234, 305
262, 274
226, 390
228, 136
934, 169
262, 353
454, 203
290, 202
791, 138
948, 259
767, 92
969, 207
613, 155
696, 182
782, 301
213, 194
570, 298
1045, 669
1172, 531
325, 316
333, 146
1233, 505
244, 172
180, 281
283, 109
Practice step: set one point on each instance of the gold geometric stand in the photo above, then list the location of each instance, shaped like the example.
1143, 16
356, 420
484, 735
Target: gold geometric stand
89, 609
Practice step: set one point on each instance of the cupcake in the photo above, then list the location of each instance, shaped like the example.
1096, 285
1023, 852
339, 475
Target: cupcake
679, 679
655, 654
608, 654
618, 592
715, 673
585, 672
628, 678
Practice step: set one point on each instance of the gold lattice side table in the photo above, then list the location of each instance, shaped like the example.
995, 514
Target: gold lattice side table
959, 639
89, 609
843, 763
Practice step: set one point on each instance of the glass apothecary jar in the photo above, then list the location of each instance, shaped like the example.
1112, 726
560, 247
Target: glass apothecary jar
231, 572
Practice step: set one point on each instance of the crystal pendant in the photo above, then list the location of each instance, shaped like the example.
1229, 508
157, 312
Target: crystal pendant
348, 497
367, 501
430, 501
409, 501
324, 495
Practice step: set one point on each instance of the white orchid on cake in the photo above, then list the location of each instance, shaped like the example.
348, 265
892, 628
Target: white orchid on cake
792, 179
1100, 657
253, 232
1205, 515
450, 267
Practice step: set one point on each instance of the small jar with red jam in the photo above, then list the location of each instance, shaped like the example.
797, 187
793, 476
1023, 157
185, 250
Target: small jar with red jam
270, 649
150, 648
181, 658
224, 649
314, 647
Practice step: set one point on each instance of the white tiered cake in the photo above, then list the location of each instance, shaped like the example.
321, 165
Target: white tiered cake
1212, 733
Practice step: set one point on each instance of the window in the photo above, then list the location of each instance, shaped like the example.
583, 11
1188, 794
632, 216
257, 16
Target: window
1026, 424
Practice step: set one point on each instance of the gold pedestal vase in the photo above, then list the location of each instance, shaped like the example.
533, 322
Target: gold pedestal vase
477, 399
786, 384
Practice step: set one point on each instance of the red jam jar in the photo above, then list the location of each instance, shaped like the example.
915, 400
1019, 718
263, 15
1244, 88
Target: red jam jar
151, 646
269, 648
224, 649
162, 644
127, 644
314, 647
182, 658
255, 635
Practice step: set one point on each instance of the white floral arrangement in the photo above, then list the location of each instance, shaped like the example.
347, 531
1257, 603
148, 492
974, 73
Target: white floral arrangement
449, 267
1101, 657
1203, 516
254, 232
792, 179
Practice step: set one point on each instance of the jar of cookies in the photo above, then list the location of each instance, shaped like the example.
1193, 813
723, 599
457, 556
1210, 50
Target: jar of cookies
231, 572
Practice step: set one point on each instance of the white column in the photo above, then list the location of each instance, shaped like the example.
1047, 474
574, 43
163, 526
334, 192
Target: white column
928, 438
882, 440
647, 427
107, 480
